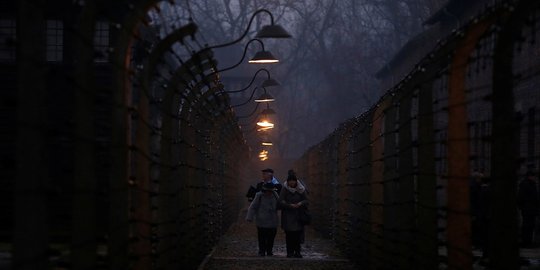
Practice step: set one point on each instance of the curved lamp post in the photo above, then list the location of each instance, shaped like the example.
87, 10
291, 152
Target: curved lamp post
265, 141
260, 99
264, 97
250, 114
266, 83
261, 57
268, 31
264, 121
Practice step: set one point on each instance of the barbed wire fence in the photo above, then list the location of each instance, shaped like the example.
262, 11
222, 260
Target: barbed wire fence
124, 154
391, 186
127, 151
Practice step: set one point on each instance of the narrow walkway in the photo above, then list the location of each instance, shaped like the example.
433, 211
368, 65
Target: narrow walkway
238, 250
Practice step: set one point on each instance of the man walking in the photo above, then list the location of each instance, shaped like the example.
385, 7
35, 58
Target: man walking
267, 177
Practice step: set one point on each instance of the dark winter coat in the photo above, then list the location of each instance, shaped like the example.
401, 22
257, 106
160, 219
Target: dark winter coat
289, 215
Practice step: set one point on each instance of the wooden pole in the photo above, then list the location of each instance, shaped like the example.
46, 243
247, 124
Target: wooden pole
459, 221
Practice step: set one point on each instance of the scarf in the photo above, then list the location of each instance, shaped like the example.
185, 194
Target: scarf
299, 187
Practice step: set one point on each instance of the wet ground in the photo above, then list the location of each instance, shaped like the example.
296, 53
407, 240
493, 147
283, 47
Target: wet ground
238, 250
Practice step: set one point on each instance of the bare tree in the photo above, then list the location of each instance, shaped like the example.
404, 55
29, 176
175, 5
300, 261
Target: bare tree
327, 70
339, 45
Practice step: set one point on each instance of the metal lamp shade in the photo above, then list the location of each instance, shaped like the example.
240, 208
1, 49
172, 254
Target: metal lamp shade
265, 97
273, 31
263, 57
270, 82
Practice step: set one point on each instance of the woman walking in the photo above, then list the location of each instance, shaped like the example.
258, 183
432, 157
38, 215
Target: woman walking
292, 199
263, 209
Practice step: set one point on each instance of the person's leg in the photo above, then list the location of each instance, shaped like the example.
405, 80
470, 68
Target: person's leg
288, 243
260, 237
264, 240
270, 241
267, 234
296, 244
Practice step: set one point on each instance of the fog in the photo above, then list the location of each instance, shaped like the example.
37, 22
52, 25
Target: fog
326, 71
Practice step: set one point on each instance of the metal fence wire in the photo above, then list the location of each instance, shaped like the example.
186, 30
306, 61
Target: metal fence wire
395, 186
120, 149
126, 149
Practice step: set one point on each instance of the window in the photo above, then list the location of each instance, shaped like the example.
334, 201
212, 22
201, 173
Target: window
7, 40
101, 42
55, 40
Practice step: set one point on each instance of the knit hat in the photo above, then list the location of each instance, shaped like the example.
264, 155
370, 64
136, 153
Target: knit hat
291, 175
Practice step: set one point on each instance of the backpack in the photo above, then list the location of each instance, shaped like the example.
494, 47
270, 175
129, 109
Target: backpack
253, 190
251, 193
